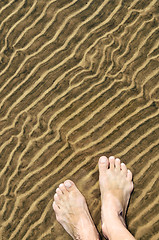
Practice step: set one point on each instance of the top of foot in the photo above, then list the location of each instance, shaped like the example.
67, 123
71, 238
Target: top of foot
72, 212
116, 186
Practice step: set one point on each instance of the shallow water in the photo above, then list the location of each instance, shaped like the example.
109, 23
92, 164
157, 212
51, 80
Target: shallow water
78, 79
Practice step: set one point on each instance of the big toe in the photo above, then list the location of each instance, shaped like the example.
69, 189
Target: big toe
69, 185
103, 165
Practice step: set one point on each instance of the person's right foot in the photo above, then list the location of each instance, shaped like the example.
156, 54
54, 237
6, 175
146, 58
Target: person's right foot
116, 186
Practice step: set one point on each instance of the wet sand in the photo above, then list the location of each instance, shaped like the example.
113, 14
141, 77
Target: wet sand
78, 79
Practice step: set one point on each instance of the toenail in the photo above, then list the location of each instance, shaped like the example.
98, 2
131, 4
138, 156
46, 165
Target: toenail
68, 184
103, 159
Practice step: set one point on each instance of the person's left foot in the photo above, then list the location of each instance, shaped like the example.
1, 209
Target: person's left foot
72, 212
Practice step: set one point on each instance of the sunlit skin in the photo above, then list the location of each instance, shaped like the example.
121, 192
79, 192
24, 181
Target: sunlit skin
115, 185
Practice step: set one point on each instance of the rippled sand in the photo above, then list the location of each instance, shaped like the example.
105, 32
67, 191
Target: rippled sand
78, 79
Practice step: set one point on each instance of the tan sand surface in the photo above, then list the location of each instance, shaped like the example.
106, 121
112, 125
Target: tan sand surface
78, 79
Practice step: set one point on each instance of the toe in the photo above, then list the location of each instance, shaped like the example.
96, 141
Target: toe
117, 164
55, 207
62, 188
103, 164
129, 175
112, 162
59, 192
57, 211
124, 169
56, 199
69, 185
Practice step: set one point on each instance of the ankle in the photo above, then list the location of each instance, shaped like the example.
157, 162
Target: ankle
122, 218
92, 237
85, 233
112, 222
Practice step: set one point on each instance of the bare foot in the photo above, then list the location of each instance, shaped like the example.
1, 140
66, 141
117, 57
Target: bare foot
116, 186
72, 212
